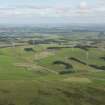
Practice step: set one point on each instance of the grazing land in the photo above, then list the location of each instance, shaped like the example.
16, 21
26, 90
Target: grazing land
52, 69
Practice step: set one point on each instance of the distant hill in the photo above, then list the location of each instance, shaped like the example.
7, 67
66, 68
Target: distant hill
63, 29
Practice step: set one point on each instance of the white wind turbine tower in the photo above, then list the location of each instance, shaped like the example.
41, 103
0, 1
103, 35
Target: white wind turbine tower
13, 47
73, 46
87, 53
34, 44
12, 43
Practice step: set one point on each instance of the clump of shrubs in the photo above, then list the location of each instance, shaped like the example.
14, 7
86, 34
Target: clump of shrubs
82, 47
98, 67
66, 72
68, 67
29, 49
103, 58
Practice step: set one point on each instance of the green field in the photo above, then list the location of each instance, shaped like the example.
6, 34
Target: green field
31, 78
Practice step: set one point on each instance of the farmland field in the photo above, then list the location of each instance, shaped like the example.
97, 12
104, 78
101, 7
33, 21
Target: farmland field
58, 70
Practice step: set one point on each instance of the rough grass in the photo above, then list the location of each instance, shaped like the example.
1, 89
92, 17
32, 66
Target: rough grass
50, 92
26, 81
65, 54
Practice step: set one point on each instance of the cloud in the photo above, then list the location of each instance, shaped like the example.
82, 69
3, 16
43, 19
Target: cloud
83, 9
83, 4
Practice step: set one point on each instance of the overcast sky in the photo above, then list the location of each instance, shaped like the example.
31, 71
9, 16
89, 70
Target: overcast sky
51, 11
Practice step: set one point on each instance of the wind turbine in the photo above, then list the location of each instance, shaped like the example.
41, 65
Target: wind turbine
12, 45
72, 47
87, 53
33, 42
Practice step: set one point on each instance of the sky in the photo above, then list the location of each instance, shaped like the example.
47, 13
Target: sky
52, 11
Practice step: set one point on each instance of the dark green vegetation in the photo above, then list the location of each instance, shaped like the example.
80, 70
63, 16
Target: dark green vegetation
49, 92
53, 70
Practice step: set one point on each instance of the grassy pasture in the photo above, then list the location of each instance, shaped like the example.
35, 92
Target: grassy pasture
31, 78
